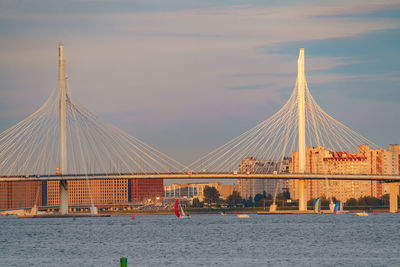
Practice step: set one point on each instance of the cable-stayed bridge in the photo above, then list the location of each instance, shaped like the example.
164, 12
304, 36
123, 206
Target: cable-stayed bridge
207, 175
64, 141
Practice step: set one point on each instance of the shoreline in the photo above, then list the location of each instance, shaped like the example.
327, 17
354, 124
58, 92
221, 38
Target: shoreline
198, 211
259, 212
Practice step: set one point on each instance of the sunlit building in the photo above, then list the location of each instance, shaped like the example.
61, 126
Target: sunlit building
251, 187
20, 194
395, 149
196, 190
83, 192
80, 192
365, 161
106, 191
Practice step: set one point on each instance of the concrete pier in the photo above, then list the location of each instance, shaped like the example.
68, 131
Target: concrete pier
63, 197
302, 195
393, 197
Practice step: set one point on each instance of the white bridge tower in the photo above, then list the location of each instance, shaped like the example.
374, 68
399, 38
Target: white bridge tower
301, 81
63, 129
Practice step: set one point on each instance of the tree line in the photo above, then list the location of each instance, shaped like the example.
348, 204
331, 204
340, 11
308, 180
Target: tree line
213, 198
352, 202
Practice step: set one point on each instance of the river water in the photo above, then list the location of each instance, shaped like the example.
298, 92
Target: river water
203, 240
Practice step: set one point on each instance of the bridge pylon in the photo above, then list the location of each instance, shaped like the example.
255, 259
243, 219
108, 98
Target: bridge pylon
63, 129
301, 112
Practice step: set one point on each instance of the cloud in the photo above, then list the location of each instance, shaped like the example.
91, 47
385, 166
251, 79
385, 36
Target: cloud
250, 87
369, 56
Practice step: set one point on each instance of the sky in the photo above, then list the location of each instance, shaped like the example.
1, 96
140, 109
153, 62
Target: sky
188, 76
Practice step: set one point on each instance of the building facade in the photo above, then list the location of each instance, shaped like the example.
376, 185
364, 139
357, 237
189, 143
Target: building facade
365, 161
251, 187
395, 150
80, 192
196, 190
20, 194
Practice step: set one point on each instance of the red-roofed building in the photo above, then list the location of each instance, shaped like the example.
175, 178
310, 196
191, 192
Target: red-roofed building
365, 161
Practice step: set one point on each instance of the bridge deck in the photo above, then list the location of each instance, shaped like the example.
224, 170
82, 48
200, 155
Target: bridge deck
205, 175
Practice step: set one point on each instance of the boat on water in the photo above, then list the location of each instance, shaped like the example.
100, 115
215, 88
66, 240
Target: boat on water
362, 213
32, 213
179, 212
338, 209
13, 213
317, 205
223, 213
241, 215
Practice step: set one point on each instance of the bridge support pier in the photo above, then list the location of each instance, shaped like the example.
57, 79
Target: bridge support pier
273, 207
302, 195
63, 197
393, 197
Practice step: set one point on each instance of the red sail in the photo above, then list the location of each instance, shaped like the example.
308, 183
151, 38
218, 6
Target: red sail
176, 209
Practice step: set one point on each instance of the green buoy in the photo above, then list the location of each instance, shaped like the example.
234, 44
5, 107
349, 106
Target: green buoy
124, 262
